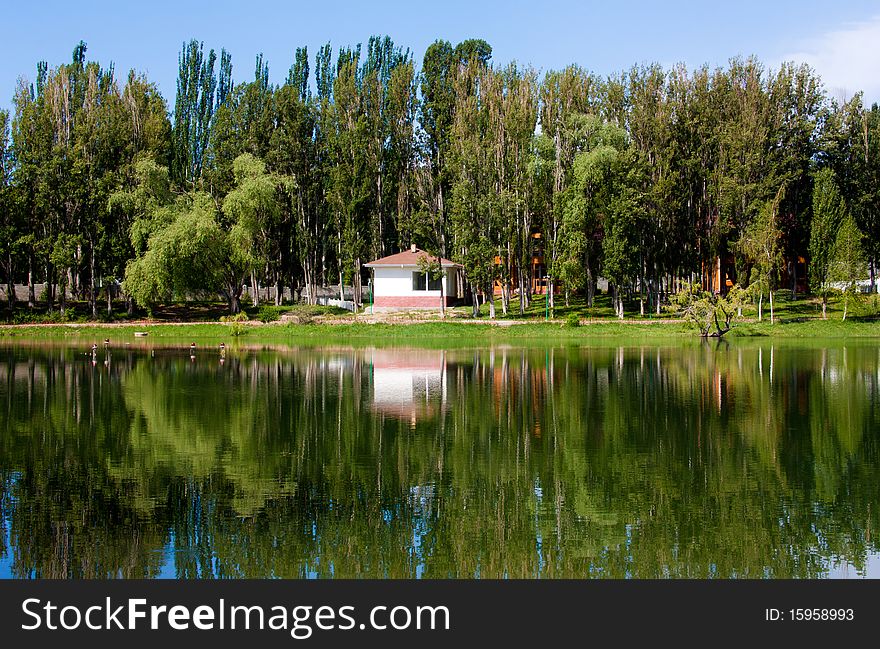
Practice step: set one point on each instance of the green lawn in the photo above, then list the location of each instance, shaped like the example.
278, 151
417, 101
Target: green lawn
784, 308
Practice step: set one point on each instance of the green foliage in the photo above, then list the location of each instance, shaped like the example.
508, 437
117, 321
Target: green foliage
241, 316
572, 320
253, 208
641, 177
828, 212
193, 111
761, 245
236, 323
187, 256
848, 260
269, 313
712, 315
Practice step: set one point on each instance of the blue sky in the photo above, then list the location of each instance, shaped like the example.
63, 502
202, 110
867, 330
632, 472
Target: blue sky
840, 39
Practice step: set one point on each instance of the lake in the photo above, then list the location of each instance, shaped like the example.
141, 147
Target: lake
741, 459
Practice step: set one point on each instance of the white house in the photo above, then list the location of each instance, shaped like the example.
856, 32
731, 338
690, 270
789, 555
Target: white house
399, 284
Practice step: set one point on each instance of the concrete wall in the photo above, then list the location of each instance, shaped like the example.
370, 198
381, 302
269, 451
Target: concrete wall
400, 302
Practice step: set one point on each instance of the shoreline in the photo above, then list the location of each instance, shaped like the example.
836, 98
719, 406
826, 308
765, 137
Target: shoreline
368, 327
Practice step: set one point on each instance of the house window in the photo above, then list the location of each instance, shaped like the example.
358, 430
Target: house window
418, 280
421, 282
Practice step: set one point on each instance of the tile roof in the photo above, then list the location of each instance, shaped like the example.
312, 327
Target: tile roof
409, 258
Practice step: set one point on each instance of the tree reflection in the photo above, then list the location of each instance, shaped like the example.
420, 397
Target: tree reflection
687, 461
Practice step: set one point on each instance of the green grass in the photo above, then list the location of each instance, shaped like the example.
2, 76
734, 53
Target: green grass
447, 331
784, 309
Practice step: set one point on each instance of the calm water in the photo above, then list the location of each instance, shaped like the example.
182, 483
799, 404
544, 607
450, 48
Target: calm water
685, 461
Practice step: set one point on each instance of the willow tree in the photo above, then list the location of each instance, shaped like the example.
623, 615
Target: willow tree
183, 246
254, 208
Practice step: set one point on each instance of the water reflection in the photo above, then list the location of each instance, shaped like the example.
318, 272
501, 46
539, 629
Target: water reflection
410, 385
688, 461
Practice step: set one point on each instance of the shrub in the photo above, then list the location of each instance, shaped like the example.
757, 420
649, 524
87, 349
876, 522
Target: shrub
572, 320
270, 313
707, 311
238, 317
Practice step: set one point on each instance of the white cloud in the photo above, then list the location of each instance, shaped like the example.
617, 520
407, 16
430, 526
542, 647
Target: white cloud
847, 59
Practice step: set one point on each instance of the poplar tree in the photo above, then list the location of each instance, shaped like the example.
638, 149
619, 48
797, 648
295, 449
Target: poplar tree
828, 212
848, 260
193, 111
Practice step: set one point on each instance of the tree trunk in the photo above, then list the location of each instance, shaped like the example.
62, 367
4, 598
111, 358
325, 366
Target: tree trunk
591, 285
490, 295
358, 294
233, 298
824, 306
642, 290
761, 307
32, 294
771, 306
657, 294
871, 270
442, 288
10, 283
279, 286
93, 298
617, 294
522, 291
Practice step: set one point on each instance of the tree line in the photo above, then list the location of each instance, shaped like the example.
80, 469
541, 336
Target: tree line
644, 177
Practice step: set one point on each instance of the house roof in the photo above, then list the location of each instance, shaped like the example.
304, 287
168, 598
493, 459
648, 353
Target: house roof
409, 258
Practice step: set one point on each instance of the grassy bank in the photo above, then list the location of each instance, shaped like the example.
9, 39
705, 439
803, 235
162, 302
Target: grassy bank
795, 319
451, 330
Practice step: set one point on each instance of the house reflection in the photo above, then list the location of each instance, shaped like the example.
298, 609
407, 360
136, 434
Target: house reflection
408, 384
